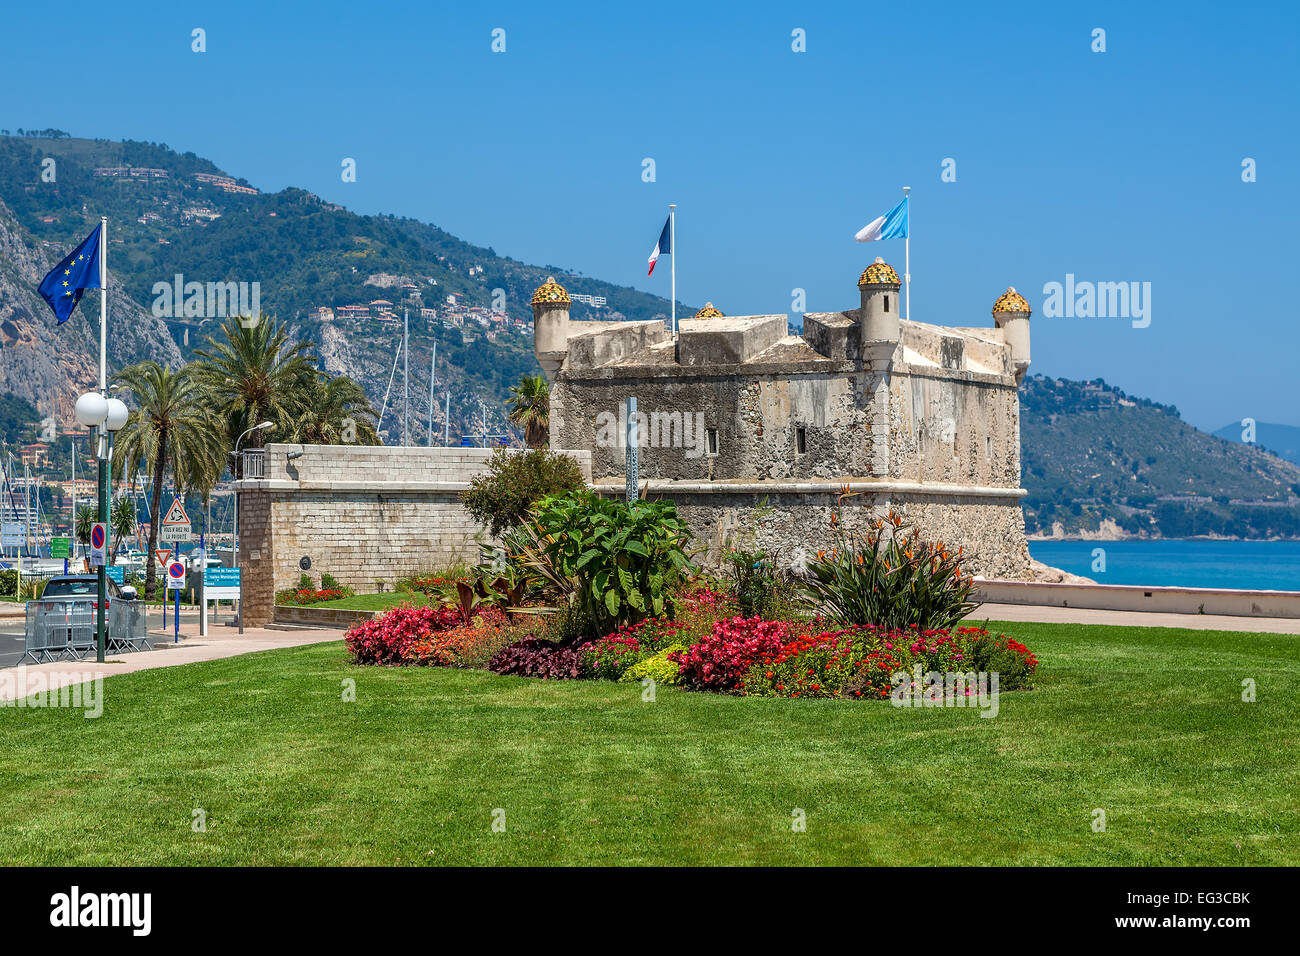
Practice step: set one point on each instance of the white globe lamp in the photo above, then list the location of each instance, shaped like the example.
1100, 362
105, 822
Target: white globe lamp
117, 414
92, 409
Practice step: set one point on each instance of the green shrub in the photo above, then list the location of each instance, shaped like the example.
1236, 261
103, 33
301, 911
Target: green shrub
618, 561
32, 588
656, 667
515, 481
891, 579
761, 588
329, 583
305, 582
9, 581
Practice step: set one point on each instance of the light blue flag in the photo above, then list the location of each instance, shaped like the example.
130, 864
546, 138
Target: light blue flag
892, 225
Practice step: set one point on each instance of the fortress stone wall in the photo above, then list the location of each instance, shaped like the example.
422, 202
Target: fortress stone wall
364, 514
760, 436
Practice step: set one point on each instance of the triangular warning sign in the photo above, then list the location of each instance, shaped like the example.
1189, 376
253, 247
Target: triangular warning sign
162, 554
176, 514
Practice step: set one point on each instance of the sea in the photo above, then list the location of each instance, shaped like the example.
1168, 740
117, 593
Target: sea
1248, 565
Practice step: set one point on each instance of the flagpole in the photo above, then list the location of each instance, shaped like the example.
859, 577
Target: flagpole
101, 624
672, 242
103, 303
907, 260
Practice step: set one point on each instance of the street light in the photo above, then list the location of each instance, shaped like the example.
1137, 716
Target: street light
106, 416
235, 534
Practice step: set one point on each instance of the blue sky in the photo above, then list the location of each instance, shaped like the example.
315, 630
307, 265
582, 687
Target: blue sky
1115, 166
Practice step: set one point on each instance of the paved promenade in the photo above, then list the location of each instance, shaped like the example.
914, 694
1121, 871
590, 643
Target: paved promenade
220, 642
1083, 615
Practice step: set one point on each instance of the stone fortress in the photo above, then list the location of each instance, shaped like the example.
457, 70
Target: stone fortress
758, 435
763, 438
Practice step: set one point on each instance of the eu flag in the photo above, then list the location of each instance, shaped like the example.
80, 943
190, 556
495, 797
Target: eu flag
62, 288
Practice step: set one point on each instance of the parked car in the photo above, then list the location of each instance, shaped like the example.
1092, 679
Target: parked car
63, 618
84, 587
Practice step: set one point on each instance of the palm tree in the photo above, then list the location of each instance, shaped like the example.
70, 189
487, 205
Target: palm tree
254, 374
327, 405
171, 428
530, 408
86, 516
121, 518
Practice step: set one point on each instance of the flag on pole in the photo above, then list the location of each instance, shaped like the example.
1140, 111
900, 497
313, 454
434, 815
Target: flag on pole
892, 225
63, 287
663, 247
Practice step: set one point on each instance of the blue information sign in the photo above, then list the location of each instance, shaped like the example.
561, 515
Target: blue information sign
221, 577
117, 573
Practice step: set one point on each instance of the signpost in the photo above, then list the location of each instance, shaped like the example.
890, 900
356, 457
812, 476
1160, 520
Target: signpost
61, 547
219, 584
117, 574
11, 535
98, 544
175, 524
633, 443
176, 581
161, 556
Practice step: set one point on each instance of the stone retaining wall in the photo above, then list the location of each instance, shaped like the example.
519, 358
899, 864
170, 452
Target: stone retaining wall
363, 514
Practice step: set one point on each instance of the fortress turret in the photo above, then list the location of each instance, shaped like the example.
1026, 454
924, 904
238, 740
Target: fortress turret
878, 318
710, 311
1011, 315
550, 325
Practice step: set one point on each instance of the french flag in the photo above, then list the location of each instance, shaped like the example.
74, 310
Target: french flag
663, 247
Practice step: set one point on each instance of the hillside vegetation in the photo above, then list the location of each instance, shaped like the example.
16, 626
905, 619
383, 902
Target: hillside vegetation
1091, 453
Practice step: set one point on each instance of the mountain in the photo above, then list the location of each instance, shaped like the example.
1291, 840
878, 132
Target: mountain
1281, 440
172, 213
49, 365
1095, 459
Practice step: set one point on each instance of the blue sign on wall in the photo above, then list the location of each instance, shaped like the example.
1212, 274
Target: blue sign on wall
221, 577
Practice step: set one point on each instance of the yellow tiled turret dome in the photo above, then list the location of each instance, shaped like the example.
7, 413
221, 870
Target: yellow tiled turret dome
1011, 301
879, 272
550, 291
709, 312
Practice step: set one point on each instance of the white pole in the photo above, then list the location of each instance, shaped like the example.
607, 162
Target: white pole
103, 304
73, 549
446, 422
672, 242
907, 260
406, 379
432, 362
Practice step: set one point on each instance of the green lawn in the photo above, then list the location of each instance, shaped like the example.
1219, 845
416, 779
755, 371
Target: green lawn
1147, 724
375, 602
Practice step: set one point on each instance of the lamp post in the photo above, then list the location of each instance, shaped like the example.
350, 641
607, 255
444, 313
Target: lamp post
235, 543
105, 415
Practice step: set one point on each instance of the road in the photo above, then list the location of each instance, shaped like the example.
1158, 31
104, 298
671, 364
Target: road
13, 630
11, 642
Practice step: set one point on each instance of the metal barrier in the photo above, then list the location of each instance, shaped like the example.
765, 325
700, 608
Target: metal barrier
61, 630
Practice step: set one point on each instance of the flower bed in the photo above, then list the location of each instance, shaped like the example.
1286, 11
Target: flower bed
302, 596
706, 648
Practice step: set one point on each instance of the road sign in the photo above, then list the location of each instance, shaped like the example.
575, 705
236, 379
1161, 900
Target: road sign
161, 555
116, 573
11, 535
98, 541
175, 524
221, 584
175, 576
60, 547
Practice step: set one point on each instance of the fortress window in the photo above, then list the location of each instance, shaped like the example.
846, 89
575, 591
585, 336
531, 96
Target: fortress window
886, 303
800, 441
711, 441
